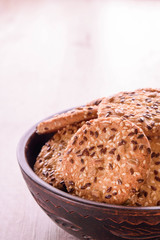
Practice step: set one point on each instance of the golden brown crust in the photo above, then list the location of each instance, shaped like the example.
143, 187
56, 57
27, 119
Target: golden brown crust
106, 160
64, 119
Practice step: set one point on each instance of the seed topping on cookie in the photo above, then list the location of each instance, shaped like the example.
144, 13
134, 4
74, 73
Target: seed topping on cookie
49, 160
68, 118
109, 165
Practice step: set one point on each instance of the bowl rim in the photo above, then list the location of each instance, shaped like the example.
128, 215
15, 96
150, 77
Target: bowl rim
22, 161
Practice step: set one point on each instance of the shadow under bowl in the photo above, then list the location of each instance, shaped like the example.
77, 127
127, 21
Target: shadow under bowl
80, 217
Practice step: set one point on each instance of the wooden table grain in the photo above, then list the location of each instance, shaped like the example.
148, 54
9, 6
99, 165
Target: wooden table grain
56, 55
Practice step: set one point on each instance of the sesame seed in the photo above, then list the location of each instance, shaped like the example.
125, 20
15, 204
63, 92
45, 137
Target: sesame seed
85, 131
119, 181
140, 147
148, 150
110, 166
92, 155
155, 172
133, 190
108, 196
147, 116
127, 185
109, 189
69, 151
114, 193
104, 130
141, 119
95, 179
82, 169
112, 151
71, 183
53, 179
153, 188
71, 190
157, 163
96, 134
138, 204
136, 130
78, 152
47, 155
81, 142
119, 191
103, 150
140, 180
134, 148
71, 160
145, 193
149, 127
131, 171
157, 178
113, 129
108, 113
111, 137
100, 146
85, 138
131, 134
75, 139
122, 142
118, 157
86, 186
140, 136
85, 152
48, 148
91, 133
101, 168
91, 148
123, 190
153, 154
82, 161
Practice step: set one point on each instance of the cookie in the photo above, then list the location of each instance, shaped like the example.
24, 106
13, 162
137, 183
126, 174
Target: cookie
48, 162
106, 160
144, 114
64, 119
149, 194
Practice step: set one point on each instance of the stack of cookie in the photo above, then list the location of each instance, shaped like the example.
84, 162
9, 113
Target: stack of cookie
106, 151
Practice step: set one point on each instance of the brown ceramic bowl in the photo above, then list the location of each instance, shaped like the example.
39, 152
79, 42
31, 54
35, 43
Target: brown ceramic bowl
83, 218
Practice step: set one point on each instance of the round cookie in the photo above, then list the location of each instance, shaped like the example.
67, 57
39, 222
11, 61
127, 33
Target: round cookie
149, 194
62, 120
145, 114
106, 160
48, 162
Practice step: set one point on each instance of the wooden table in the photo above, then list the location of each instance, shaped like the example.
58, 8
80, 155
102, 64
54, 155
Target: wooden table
59, 54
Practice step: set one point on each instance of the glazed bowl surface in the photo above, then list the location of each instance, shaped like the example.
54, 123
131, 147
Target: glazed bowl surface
80, 217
